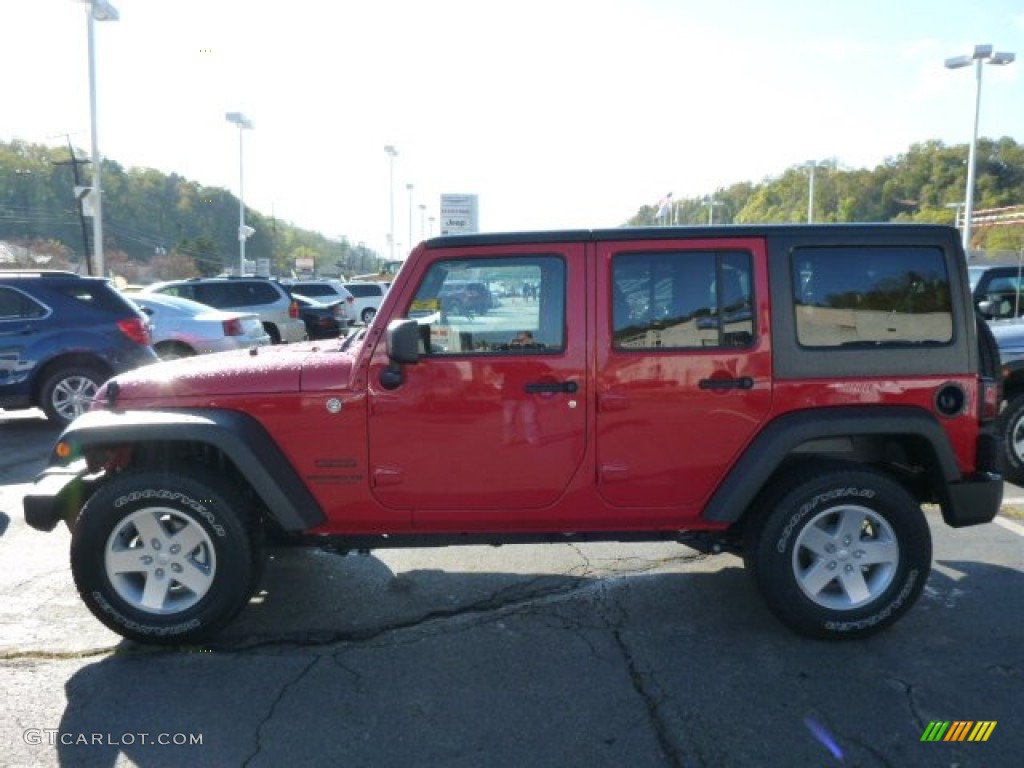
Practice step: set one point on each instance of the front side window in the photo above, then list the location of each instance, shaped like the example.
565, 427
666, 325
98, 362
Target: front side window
512, 305
871, 296
15, 305
682, 300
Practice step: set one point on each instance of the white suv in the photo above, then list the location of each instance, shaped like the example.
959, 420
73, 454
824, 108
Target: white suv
266, 297
368, 297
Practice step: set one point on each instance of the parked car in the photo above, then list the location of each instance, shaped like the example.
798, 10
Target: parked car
324, 290
266, 297
61, 336
368, 297
182, 327
998, 289
465, 298
323, 319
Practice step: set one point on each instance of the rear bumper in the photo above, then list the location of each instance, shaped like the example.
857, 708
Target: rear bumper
973, 501
57, 493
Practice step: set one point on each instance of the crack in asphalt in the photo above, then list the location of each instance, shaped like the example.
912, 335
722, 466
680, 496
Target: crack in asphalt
509, 599
908, 692
651, 700
273, 708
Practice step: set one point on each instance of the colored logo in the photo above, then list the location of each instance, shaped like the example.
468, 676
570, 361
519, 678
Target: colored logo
958, 730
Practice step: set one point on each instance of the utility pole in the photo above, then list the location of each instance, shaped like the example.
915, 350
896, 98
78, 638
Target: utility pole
74, 162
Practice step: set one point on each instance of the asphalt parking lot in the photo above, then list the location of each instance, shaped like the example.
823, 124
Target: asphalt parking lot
567, 655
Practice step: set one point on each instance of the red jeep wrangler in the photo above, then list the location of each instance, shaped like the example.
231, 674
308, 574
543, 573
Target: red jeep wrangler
791, 393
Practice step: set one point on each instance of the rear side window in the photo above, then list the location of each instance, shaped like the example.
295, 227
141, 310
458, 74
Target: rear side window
364, 291
100, 296
682, 300
871, 296
232, 294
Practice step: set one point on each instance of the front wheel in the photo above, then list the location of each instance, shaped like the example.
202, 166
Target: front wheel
165, 557
368, 314
839, 552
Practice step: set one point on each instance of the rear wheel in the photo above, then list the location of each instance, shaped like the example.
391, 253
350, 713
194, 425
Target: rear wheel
368, 314
165, 556
68, 393
839, 551
1011, 422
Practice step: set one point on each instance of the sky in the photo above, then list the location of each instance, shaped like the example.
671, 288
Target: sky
555, 113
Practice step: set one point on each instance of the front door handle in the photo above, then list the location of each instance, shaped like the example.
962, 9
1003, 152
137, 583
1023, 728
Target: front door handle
539, 387
743, 382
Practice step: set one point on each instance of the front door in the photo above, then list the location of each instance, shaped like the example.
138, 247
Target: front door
493, 416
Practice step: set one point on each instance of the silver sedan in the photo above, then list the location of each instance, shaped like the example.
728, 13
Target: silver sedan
182, 327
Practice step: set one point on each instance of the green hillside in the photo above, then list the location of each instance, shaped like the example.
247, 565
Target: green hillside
156, 226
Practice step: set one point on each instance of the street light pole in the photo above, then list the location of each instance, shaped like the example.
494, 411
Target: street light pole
423, 223
392, 153
810, 193
711, 203
982, 53
96, 10
408, 188
243, 123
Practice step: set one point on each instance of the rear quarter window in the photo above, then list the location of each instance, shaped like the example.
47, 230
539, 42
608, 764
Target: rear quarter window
870, 296
99, 296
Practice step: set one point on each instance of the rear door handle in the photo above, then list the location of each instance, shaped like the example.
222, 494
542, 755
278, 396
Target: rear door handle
538, 387
743, 382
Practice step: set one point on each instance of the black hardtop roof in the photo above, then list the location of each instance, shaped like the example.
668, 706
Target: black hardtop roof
824, 234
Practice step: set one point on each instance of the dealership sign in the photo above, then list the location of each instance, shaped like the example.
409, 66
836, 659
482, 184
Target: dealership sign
459, 214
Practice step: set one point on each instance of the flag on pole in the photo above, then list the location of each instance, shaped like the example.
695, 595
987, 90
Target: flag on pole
664, 206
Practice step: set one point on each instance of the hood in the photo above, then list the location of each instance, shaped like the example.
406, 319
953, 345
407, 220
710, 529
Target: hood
277, 369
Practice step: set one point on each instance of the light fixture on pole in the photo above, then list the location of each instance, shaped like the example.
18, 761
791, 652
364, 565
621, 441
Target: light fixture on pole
96, 10
392, 154
982, 54
423, 223
408, 188
711, 203
244, 232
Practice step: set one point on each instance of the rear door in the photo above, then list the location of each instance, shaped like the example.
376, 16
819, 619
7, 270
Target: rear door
23, 321
493, 417
684, 367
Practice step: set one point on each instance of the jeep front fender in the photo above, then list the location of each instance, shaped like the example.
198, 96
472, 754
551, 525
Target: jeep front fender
237, 435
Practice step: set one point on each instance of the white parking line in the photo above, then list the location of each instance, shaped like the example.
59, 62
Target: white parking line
1010, 525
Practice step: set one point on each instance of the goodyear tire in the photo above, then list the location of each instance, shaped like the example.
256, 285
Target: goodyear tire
839, 551
165, 557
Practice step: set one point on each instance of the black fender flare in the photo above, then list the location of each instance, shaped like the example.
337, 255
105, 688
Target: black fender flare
239, 436
779, 439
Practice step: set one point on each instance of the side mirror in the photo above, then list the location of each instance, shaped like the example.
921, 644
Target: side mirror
402, 340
